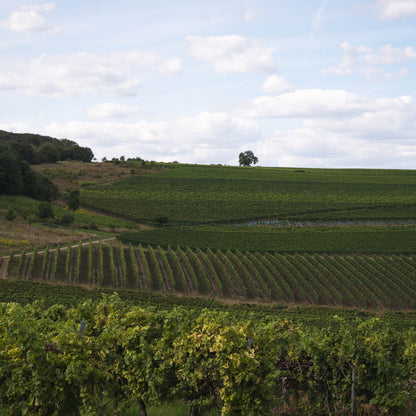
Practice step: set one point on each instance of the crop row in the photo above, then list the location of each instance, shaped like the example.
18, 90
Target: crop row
370, 281
381, 239
50, 293
206, 194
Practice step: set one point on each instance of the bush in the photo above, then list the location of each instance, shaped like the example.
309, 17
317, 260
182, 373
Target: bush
161, 220
67, 219
72, 199
45, 210
10, 215
92, 226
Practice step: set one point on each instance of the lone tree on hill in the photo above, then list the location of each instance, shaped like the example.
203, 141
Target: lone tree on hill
247, 158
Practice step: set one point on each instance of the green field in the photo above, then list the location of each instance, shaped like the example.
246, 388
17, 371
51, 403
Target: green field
192, 194
377, 239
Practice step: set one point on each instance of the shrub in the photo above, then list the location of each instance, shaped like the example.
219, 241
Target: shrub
92, 226
10, 215
161, 220
45, 210
72, 199
68, 218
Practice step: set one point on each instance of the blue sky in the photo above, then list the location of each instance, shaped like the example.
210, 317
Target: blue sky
300, 83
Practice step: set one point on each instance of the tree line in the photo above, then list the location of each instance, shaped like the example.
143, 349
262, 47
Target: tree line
35, 149
19, 151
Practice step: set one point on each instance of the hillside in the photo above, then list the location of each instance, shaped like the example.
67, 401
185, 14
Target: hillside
187, 194
27, 230
341, 238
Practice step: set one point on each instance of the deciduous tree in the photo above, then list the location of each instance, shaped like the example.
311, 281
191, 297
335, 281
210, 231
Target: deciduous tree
247, 158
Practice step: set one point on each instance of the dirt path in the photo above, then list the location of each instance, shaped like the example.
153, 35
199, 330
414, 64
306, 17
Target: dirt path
62, 248
3, 269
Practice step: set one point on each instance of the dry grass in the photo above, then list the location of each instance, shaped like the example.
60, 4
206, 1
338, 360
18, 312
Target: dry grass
17, 235
72, 174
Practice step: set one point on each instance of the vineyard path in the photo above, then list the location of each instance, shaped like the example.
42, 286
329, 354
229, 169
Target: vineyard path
62, 248
3, 268
5, 259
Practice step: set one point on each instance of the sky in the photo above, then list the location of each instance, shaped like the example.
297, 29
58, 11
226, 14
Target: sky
301, 83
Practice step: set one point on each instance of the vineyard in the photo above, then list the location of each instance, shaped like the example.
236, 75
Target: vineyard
366, 281
229, 290
100, 357
364, 239
195, 194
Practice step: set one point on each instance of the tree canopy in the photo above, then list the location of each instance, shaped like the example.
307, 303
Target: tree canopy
247, 158
17, 178
35, 149
18, 151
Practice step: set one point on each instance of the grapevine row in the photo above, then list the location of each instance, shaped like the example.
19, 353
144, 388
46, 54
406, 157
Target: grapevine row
378, 281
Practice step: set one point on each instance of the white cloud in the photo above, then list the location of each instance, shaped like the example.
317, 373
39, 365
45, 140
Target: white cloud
366, 61
27, 19
275, 85
113, 73
383, 123
318, 147
346, 131
394, 9
150, 61
203, 138
345, 66
317, 103
16, 127
232, 54
387, 55
111, 110
367, 133
45, 7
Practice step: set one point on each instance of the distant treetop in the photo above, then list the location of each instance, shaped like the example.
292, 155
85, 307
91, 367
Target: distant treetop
36, 149
247, 158
18, 151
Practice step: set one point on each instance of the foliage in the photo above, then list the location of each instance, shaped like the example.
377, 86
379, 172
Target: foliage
72, 199
247, 158
45, 210
17, 178
34, 148
10, 215
207, 358
67, 218
161, 220
10, 175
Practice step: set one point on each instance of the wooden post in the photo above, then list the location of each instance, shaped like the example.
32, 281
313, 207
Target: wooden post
352, 390
82, 327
